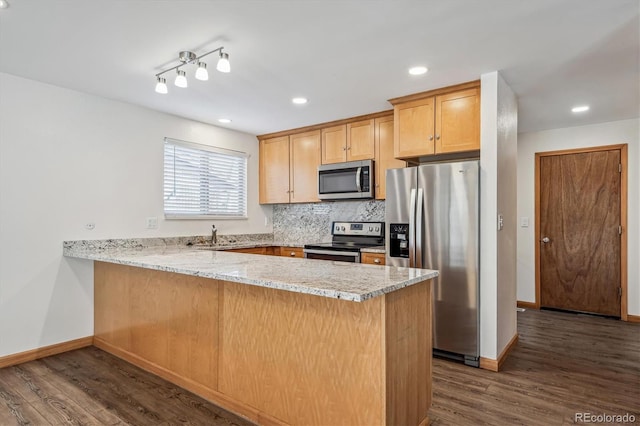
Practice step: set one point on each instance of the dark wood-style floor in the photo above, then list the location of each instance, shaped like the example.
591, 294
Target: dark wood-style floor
563, 364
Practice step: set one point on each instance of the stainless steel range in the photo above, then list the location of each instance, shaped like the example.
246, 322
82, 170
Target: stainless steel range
348, 238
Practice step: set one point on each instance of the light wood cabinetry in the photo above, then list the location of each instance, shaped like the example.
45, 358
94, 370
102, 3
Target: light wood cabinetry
348, 142
289, 168
384, 156
373, 258
438, 122
334, 144
316, 361
291, 251
274, 170
269, 250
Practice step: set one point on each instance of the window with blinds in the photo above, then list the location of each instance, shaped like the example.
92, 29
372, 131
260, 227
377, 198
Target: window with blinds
202, 182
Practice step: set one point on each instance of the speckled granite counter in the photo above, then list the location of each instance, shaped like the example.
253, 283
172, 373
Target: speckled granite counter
340, 280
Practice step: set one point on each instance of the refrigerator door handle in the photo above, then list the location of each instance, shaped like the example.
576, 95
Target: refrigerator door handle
412, 229
358, 174
419, 223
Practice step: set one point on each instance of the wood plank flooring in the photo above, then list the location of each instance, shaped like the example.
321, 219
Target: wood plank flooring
563, 364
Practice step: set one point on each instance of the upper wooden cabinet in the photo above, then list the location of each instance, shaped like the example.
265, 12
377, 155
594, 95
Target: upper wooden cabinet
437, 122
348, 142
289, 168
334, 144
274, 170
383, 131
305, 159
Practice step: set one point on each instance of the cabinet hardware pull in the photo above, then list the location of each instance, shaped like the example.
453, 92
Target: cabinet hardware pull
293, 253
430, 137
437, 137
376, 260
344, 148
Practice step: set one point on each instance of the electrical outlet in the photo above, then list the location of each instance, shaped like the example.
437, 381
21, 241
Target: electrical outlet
500, 222
89, 226
152, 222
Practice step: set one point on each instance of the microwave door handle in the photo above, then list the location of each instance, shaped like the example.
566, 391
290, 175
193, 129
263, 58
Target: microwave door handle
419, 224
412, 228
358, 173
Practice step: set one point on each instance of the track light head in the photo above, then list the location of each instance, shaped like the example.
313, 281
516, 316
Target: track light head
181, 78
161, 86
223, 63
201, 72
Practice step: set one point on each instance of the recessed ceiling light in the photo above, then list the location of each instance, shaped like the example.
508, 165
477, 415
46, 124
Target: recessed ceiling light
299, 101
4, 4
418, 70
224, 120
581, 108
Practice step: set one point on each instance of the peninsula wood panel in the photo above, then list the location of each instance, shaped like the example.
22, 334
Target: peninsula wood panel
170, 320
408, 356
268, 336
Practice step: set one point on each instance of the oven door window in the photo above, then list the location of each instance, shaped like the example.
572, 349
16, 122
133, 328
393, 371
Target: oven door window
340, 257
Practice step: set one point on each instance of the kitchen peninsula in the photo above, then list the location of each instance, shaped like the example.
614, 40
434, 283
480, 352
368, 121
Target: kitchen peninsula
279, 340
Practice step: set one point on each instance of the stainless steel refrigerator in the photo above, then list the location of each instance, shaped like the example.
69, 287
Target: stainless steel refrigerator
432, 222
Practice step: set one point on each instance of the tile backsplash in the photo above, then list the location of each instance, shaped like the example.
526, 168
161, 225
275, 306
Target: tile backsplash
311, 223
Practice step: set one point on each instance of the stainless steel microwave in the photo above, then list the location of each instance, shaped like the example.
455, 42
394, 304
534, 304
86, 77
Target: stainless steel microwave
343, 181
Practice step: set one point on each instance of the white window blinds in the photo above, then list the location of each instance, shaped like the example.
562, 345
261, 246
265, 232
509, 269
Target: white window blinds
202, 182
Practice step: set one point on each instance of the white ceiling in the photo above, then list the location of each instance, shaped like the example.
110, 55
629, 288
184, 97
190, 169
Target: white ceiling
348, 57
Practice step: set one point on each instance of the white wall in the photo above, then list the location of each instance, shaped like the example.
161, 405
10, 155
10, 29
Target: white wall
613, 133
66, 159
498, 163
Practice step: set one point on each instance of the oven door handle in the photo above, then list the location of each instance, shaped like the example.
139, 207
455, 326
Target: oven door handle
333, 252
358, 174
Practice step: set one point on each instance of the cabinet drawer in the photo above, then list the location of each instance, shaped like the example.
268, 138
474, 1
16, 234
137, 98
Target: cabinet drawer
291, 252
373, 258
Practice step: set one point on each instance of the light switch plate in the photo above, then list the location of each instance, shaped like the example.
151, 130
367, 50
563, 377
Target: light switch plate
152, 222
524, 222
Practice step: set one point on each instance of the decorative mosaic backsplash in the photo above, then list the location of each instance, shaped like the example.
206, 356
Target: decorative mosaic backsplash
311, 223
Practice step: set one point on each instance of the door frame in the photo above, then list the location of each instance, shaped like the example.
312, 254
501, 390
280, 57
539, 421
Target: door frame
623, 217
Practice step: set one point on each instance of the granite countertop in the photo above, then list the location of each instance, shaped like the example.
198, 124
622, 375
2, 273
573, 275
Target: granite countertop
341, 280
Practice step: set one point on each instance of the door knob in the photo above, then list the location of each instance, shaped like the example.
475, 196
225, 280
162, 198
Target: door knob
545, 240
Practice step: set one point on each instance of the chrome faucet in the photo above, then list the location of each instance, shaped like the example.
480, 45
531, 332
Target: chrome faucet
214, 235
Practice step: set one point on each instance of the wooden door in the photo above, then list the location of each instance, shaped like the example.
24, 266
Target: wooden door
274, 170
360, 140
579, 239
384, 154
458, 121
414, 128
334, 144
305, 159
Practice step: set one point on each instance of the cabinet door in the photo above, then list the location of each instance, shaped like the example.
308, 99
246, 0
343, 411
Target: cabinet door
334, 144
305, 159
384, 154
274, 170
360, 140
458, 121
414, 128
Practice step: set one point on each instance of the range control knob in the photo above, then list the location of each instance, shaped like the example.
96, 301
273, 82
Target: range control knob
377, 228
370, 228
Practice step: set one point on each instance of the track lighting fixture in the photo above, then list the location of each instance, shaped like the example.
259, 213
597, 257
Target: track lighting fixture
186, 58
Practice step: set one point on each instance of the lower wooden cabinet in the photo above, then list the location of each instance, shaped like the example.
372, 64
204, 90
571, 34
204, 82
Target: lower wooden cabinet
291, 251
373, 258
253, 250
